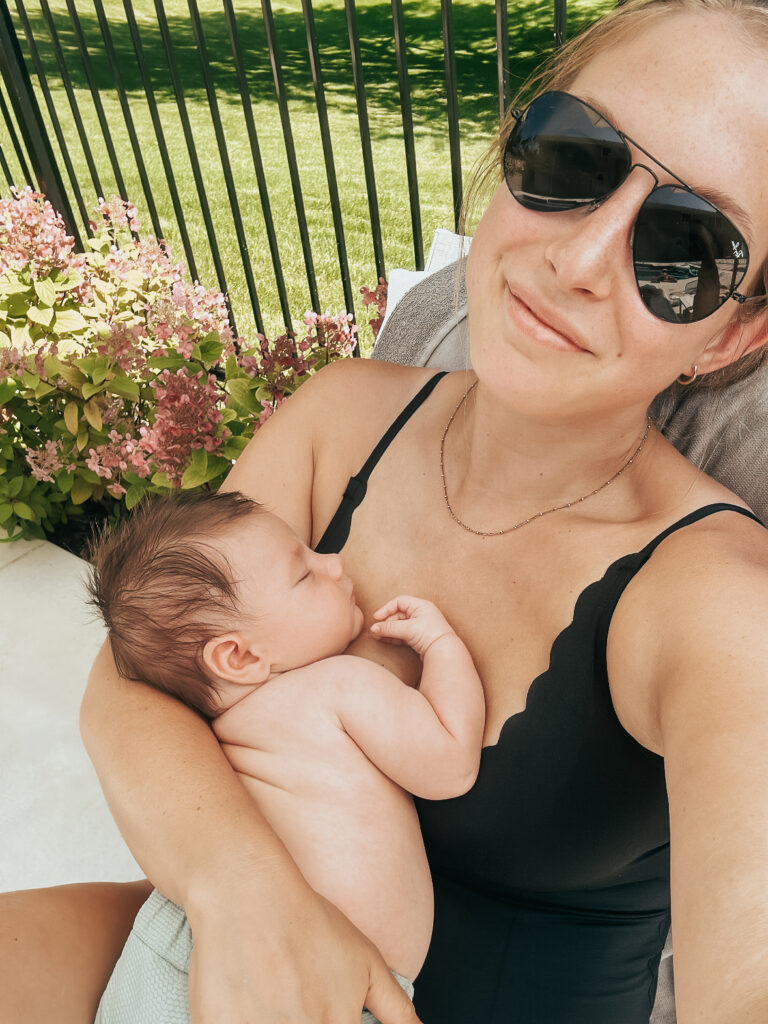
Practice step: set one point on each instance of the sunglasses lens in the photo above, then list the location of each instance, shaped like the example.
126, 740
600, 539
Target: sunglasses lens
561, 154
689, 258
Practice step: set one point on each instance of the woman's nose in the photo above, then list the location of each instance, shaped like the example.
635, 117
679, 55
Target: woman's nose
590, 250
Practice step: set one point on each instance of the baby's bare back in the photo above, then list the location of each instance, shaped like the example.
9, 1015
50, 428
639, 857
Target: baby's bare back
353, 833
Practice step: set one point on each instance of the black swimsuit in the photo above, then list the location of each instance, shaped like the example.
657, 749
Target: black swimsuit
551, 875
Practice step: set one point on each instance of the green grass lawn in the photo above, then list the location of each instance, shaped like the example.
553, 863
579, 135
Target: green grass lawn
530, 40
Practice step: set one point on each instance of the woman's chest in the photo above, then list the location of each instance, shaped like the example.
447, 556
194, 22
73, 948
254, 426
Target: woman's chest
507, 598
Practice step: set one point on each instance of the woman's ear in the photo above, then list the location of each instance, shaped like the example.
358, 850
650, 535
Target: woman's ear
234, 659
739, 338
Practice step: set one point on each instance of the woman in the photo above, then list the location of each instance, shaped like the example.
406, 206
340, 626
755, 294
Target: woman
512, 497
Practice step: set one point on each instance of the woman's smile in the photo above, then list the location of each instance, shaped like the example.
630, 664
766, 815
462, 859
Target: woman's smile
537, 326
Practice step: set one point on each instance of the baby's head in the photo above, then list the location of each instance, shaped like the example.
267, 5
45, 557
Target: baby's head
207, 596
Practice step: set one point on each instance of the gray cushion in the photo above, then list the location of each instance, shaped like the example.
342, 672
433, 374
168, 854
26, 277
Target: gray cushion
722, 432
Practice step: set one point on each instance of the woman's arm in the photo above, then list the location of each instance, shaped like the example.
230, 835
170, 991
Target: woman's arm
711, 662
267, 948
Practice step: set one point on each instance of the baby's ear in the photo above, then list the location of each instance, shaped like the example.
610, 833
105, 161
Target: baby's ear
233, 659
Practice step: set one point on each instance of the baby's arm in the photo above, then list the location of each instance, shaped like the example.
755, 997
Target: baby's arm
427, 740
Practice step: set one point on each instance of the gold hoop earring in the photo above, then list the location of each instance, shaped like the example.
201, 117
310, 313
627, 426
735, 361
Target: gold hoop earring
685, 381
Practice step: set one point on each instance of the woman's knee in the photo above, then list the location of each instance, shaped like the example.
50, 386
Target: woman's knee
58, 947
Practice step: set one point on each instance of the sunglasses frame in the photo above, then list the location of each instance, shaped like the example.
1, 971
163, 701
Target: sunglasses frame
518, 112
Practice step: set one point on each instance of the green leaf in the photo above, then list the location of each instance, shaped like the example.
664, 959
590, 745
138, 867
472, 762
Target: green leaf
14, 486
92, 413
31, 380
22, 510
169, 362
64, 480
7, 390
13, 286
72, 375
81, 491
68, 321
196, 472
233, 447
124, 387
100, 374
133, 495
5, 512
46, 291
161, 480
92, 389
242, 397
43, 389
71, 417
52, 366
82, 438
40, 316
20, 336
209, 350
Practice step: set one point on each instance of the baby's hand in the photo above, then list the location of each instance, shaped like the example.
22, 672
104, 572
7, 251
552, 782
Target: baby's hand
412, 621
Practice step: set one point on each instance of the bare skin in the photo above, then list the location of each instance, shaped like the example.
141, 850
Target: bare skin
687, 646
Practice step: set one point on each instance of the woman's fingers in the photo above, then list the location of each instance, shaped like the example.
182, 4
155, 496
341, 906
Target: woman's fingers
387, 1001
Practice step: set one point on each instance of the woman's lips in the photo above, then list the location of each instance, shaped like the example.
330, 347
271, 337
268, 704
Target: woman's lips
538, 330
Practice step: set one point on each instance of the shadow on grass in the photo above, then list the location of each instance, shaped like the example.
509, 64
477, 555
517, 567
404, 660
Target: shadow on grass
530, 40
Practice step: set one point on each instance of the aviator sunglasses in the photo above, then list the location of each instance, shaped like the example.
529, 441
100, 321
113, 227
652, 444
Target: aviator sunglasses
688, 257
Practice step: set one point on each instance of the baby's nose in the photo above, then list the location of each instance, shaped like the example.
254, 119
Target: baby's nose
334, 566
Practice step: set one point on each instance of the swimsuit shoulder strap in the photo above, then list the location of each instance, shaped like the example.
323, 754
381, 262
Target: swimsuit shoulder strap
693, 517
337, 531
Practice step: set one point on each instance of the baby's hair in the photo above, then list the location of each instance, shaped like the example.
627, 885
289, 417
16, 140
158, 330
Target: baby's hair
164, 589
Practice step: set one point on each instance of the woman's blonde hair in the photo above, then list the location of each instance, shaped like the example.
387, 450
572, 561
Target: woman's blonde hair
559, 72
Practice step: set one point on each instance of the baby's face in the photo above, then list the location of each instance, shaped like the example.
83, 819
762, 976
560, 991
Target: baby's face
304, 604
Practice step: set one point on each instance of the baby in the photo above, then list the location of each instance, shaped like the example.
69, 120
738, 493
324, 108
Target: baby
218, 602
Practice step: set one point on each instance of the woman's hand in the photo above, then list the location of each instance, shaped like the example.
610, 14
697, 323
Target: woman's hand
300, 961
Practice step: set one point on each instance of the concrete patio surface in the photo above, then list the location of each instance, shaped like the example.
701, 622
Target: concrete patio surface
55, 826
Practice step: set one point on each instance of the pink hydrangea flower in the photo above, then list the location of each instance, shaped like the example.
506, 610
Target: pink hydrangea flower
187, 416
46, 461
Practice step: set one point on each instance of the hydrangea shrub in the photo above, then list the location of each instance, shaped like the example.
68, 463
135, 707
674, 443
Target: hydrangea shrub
118, 376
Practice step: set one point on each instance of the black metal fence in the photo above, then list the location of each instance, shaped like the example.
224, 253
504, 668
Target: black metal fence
171, 108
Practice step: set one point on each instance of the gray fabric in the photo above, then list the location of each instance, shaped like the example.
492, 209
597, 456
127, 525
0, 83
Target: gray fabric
149, 984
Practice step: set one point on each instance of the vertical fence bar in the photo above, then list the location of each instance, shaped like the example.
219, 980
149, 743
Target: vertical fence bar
502, 55
102, 117
453, 109
365, 139
15, 142
258, 166
191, 151
410, 149
226, 167
149, 94
330, 167
561, 18
67, 82
24, 103
74, 184
298, 198
6, 169
106, 36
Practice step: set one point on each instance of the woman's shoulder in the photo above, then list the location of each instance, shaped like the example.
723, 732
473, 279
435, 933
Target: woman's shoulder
700, 601
355, 400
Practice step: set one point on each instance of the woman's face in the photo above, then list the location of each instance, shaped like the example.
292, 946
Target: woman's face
693, 96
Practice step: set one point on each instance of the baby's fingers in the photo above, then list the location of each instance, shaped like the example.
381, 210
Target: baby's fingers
402, 605
393, 629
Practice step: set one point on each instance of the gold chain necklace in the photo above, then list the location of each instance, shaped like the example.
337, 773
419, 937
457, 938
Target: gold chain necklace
538, 515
